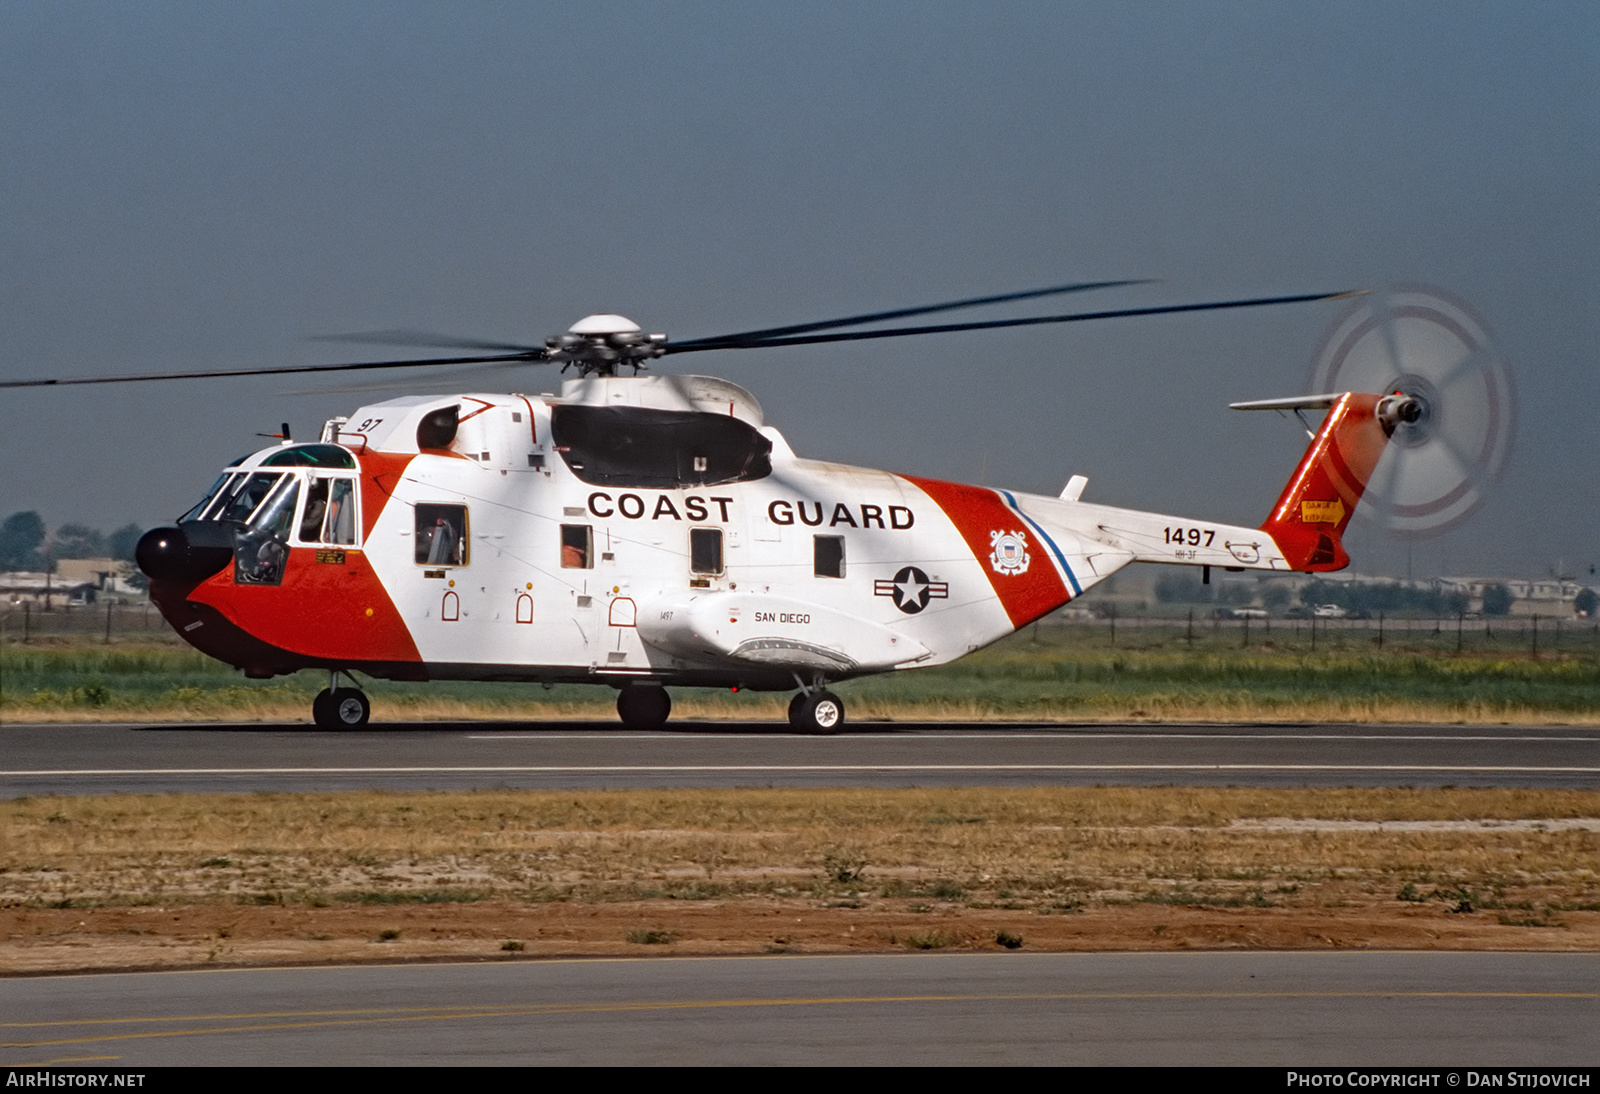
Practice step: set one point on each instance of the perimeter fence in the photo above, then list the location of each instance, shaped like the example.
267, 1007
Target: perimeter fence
1529, 635
108, 621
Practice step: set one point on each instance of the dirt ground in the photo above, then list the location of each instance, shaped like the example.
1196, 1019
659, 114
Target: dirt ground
172, 881
59, 940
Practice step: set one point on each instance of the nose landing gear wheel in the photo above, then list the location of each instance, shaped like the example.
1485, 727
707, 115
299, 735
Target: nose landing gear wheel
820, 712
346, 708
643, 706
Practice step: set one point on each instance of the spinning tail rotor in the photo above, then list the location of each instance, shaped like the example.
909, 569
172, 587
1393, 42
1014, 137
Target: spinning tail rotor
1436, 468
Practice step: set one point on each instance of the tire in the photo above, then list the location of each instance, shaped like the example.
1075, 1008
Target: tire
346, 708
821, 712
644, 706
794, 709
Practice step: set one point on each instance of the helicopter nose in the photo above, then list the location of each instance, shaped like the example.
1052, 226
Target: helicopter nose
180, 554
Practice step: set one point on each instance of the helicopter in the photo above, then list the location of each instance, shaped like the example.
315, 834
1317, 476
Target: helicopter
640, 530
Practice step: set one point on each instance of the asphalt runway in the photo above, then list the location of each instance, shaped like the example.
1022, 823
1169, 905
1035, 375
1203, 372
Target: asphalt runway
121, 758
1277, 1009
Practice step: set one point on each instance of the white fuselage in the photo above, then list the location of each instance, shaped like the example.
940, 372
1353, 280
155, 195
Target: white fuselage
505, 554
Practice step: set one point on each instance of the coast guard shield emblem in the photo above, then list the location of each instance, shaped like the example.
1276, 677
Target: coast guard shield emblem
1010, 553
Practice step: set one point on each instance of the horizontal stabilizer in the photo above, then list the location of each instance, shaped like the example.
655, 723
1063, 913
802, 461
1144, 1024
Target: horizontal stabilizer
1296, 402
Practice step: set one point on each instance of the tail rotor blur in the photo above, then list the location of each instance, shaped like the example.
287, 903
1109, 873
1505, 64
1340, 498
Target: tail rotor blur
1437, 469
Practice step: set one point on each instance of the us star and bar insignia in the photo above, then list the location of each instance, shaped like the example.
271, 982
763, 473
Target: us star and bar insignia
911, 589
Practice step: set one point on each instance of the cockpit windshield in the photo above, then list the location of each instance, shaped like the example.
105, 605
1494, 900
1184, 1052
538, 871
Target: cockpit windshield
268, 517
277, 513
246, 496
199, 507
263, 547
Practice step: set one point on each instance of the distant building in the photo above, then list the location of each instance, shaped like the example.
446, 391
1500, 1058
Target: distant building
76, 581
1552, 595
47, 590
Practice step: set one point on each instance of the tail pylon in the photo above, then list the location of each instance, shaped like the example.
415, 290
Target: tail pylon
1310, 517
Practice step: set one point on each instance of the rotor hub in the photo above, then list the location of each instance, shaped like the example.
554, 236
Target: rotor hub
1416, 410
600, 344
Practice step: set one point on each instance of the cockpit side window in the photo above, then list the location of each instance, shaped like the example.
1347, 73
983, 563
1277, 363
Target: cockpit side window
340, 527
330, 512
316, 511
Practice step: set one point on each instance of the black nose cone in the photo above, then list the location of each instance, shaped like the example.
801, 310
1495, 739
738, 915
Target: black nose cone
170, 554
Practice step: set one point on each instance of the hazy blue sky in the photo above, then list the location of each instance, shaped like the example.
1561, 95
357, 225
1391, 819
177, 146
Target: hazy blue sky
206, 185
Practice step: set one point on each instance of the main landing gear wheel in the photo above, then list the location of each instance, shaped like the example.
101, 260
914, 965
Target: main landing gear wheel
819, 712
644, 706
346, 708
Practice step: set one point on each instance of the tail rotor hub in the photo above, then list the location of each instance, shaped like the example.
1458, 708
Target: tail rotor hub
1413, 406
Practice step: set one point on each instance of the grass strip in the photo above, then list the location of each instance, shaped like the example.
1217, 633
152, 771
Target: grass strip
1069, 673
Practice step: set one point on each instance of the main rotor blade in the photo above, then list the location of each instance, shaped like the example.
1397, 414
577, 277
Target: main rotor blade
451, 379
530, 356
723, 341
422, 338
995, 324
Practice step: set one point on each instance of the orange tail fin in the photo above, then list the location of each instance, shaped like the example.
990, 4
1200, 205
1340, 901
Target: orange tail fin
1316, 506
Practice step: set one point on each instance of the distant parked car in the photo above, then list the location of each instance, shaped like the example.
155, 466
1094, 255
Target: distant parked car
1249, 613
1297, 611
1329, 611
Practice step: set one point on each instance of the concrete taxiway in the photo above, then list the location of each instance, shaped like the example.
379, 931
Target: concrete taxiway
124, 758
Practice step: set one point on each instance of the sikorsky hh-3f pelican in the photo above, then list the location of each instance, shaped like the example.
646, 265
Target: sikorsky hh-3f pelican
640, 531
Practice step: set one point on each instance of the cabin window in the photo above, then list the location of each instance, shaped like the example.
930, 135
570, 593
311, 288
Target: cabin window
577, 547
827, 554
705, 550
441, 535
